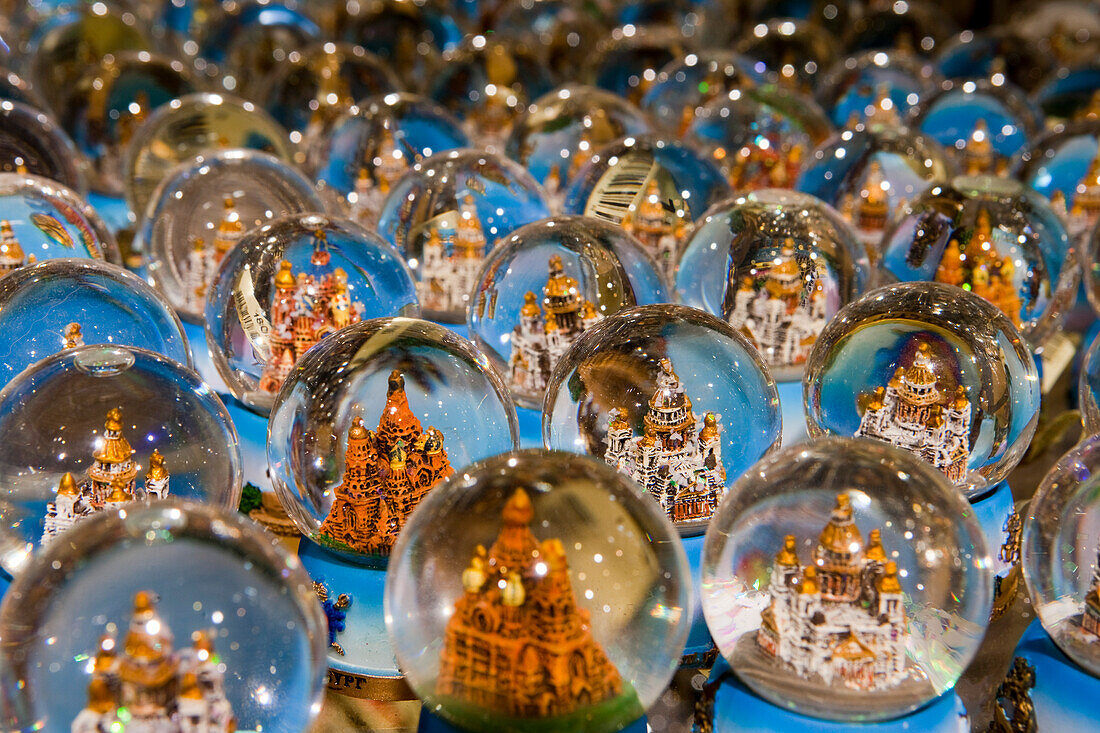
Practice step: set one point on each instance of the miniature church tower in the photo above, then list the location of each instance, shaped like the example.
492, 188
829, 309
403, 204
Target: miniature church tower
73, 336
448, 277
978, 265
12, 256
373, 183
978, 156
536, 657
657, 228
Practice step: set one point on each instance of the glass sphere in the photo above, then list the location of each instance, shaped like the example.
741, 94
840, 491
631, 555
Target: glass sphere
916, 26
1064, 166
996, 50
983, 124
314, 86
776, 265
448, 213
1071, 94
438, 407
759, 137
692, 82
991, 236
895, 562
249, 634
560, 29
652, 187
95, 426
1070, 28
871, 172
559, 527
331, 271
202, 209
672, 387
795, 52
40, 304
487, 83
949, 359
563, 129
111, 100
41, 219
185, 127
856, 86
33, 143
627, 62
369, 148
545, 285
1060, 550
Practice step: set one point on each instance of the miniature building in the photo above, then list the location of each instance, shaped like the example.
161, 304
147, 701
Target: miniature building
1083, 213
777, 314
151, 687
110, 480
452, 261
544, 334
912, 413
978, 155
12, 256
73, 336
978, 267
1090, 618
755, 166
882, 111
203, 260
874, 206
304, 309
386, 474
373, 185
657, 228
678, 459
517, 643
841, 617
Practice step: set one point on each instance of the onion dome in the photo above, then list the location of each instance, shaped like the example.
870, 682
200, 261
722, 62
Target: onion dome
530, 307
67, 487
474, 577
518, 512
106, 656
231, 222
157, 471
879, 399
73, 336
559, 285
618, 419
650, 438
433, 443
888, 583
551, 322
398, 421
189, 687
921, 371
589, 311
204, 645
100, 697
841, 535
960, 402
357, 431
875, 551
284, 279
513, 594
116, 449
809, 582
710, 427
788, 556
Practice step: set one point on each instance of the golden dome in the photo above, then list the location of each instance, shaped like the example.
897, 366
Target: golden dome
474, 576
114, 420
787, 266
518, 510
100, 697
841, 535
875, 550
788, 556
888, 583
895, 381
284, 279
961, 401
530, 305
919, 373
203, 642
105, 657
710, 427
143, 602
357, 431
747, 283
551, 324
115, 449
589, 310
67, 487
73, 332
189, 687
618, 419
878, 400
983, 226
809, 582
157, 471
231, 223
513, 594
559, 285
650, 437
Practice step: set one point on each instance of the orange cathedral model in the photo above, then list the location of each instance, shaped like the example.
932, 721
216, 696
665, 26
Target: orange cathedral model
517, 643
386, 474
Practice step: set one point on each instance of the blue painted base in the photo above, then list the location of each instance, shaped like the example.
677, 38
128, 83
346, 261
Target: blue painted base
530, 428
367, 649
699, 643
1064, 694
794, 415
736, 708
252, 436
431, 723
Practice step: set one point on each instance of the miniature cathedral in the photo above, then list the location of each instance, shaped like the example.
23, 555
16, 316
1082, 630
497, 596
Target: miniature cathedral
657, 228
841, 617
1082, 211
12, 256
544, 334
203, 260
517, 643
776, 313
373, 183
110, 481
869, 212
978, 267
386, 474
678, 459
150, 687
911, 412
452, 260
304, 309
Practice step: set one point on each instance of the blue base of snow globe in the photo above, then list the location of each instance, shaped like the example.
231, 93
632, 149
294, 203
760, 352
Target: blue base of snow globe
1064, 695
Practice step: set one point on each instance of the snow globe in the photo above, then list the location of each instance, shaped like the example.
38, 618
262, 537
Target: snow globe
759, 137
997, 50
846, 581
688, 84
856, 86
40, 219
169, 616
983, 122
31, 142
564, 128
487, 82
652, 187
181, 129
1064, 166
203, 208
776, 265
943, 374
290, 283
561, 29
796, 52
916, 26
1059, 653
99, 427
1070, 93
522, 544
547, 284
365, 426
370, 147
627, 62
872, 170
110, 101
445, 216
65, 303
991, 236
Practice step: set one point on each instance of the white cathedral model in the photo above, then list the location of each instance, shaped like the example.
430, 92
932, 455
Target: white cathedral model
777, 316
447, 279
912, 413
678, 459
841, 617
543, 335
151, 687
110, 481
202, 262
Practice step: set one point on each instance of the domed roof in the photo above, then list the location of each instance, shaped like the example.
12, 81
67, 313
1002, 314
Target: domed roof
841, 535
